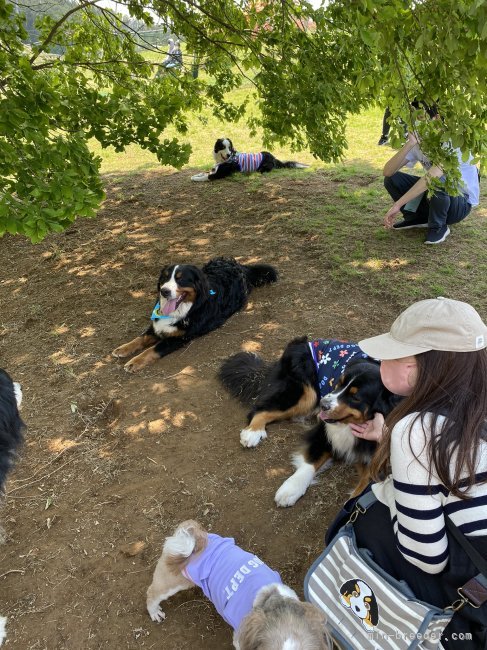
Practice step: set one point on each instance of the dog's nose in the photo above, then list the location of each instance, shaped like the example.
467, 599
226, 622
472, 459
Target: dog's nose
166, 293
325, 404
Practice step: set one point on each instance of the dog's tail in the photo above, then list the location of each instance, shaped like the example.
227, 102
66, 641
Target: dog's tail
260, 274
243, 375
290, 164
188, 538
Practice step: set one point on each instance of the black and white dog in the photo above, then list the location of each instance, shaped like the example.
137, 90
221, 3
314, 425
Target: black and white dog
11, 436
193, 301
228, 161
11, 425
334, 374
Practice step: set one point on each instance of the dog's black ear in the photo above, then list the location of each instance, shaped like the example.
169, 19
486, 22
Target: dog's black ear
201, 286
162, 275
232, 148
385, 402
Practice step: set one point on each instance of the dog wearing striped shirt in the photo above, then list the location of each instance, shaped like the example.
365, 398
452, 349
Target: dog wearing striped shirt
228, 161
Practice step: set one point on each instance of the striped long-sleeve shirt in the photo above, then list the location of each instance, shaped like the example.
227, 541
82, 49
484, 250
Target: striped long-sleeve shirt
249, 162
419, 503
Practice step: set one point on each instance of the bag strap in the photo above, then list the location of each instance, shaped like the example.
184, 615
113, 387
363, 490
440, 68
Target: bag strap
362, 504
479, 562
473, 592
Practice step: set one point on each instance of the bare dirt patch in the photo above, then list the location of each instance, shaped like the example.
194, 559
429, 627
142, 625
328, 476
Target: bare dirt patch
112, 462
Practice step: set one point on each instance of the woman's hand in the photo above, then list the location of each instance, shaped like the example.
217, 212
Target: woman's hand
412, 138
391, 216
371, 430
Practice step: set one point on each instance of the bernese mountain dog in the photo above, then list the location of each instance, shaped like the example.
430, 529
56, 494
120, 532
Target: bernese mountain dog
228, 161
337, 376
11, 437
191, 303
11, 425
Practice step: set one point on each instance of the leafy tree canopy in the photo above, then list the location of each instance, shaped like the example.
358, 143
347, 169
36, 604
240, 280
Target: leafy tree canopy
87, 76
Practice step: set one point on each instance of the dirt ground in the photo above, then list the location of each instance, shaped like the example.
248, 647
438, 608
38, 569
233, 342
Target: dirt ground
112, 459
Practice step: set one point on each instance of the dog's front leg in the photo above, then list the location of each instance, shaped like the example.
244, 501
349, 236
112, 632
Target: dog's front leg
136, 345
317, 455
161, 349
142, 360
296, 485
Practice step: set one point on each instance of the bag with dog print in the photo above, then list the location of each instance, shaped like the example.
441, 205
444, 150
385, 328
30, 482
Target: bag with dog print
367, 609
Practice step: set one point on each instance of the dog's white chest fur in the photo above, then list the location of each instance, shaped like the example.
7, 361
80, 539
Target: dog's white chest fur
163, 326
342, 440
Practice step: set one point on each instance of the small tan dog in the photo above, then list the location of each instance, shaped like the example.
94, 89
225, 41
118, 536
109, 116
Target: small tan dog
264, 613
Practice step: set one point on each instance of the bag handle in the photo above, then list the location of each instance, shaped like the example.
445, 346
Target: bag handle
362, 504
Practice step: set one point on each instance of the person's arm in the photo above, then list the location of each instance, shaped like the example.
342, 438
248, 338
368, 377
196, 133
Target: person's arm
415, 500
418, 188
399, 159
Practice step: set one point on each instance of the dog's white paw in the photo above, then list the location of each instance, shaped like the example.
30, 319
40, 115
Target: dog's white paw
250, 438
295, 486
289, 492
200, 178
156, 614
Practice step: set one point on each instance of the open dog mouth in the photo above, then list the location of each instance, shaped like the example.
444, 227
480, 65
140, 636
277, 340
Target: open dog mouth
172, 305
324, 415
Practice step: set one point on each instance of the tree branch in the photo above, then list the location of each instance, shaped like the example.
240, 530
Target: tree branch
57, 25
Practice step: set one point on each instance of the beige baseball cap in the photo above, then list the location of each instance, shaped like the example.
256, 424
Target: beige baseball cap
436, 324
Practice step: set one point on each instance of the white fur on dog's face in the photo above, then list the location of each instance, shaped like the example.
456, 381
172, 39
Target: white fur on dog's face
223, 150
280, 621
171, 285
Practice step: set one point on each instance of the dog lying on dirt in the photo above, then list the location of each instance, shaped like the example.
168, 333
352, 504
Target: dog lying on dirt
191, 303
337, 376
11, 436
11, 425
228, 161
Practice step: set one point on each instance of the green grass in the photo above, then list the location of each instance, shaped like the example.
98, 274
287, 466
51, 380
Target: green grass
345, 213
204, 129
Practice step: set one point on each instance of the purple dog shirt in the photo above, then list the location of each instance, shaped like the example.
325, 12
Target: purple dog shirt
229, 577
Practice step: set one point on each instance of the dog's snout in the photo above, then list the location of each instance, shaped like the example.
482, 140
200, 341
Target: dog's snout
325, 404
165, 293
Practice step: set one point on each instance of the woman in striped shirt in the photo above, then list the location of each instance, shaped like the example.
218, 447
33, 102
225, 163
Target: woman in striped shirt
433, 451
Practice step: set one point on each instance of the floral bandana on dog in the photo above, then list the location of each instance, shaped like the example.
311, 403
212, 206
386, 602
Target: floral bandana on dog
331, 357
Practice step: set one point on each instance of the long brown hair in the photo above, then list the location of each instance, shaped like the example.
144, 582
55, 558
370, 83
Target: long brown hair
453, 384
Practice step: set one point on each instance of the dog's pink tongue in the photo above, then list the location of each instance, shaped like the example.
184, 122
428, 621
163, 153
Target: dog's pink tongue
169, 307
